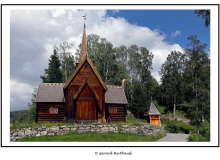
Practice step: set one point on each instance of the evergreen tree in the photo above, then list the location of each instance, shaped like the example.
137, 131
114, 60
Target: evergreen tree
140, 104
205, 15
197, 82
53, 73
171, 79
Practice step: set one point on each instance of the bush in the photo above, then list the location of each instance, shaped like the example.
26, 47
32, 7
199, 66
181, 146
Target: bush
172, 127
196, 138
205, 131
177, 126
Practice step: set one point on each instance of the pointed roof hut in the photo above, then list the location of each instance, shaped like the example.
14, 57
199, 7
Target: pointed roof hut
154, 114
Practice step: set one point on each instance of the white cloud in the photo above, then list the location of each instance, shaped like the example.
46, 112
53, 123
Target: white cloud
175, 34
33, 35
115, 11
57, 13
20, 93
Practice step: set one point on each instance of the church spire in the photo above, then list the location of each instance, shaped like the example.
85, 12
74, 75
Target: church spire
83, 52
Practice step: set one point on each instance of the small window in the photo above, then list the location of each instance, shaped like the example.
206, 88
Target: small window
112, 110
53, 110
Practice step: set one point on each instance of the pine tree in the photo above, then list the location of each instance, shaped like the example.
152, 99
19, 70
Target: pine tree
197, 82
171, 79
53, 73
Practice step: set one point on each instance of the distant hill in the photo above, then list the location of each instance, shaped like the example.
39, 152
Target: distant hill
15, 114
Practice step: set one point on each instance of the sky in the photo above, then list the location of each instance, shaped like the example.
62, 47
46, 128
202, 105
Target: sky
33, 34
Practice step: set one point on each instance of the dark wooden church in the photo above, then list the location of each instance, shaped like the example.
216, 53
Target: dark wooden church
83, 98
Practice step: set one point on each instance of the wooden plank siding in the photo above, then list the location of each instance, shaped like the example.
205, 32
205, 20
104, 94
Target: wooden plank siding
43, 114
121, 112
155, 119
85, 72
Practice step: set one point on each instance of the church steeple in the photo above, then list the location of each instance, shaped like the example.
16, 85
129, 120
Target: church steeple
83, 52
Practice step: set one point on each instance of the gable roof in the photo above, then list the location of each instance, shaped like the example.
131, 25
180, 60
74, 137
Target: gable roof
116, 95
86, 58
153, 110
82, 87
50, 92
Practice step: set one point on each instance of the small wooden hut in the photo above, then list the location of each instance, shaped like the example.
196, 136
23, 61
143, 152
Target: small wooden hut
154, 115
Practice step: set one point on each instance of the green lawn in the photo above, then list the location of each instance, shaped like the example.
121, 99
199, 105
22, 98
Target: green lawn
94, 137
130, 120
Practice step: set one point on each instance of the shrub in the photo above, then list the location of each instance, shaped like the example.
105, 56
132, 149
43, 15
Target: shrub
205, 131
172, 127
196, 138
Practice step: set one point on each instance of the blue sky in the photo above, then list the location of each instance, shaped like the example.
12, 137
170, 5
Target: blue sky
168, 21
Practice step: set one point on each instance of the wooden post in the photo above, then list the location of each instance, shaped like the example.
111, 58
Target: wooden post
103, 107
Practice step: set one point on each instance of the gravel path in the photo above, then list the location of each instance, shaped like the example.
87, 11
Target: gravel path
174, 137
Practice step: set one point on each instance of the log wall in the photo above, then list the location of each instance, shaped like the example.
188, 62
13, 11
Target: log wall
43, 114
121, 112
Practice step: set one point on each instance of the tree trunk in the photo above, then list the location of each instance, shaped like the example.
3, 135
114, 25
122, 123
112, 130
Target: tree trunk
174, 110
197, 130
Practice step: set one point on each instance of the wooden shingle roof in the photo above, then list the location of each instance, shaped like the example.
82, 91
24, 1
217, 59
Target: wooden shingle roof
53, 92
153, 110
116, 95
50, 92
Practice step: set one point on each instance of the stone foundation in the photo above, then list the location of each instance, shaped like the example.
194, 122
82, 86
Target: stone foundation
60, 130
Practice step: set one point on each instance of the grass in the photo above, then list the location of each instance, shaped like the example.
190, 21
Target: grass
94, 137
91, 136
39, 124
130, 120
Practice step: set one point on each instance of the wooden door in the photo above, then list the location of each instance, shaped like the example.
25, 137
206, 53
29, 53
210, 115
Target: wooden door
86, 105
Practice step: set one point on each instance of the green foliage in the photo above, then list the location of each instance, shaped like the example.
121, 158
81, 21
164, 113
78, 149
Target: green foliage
205, 15
67, 60
106, 59
205, 131
196, 82
53, 73
177, 126
171, 78
32, 108
172, 127
18, 125
140, 104
14, 115
196, 138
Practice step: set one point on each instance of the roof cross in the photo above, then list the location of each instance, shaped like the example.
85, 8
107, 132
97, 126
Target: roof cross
84, 20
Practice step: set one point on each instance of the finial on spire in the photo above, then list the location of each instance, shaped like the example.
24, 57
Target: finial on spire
83, 52
84, 20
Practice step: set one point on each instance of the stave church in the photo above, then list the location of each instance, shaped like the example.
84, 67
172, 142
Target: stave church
83, 98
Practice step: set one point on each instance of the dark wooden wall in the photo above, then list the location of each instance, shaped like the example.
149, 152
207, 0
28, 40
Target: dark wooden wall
121, 112
86, 105
43, 114
76, 83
